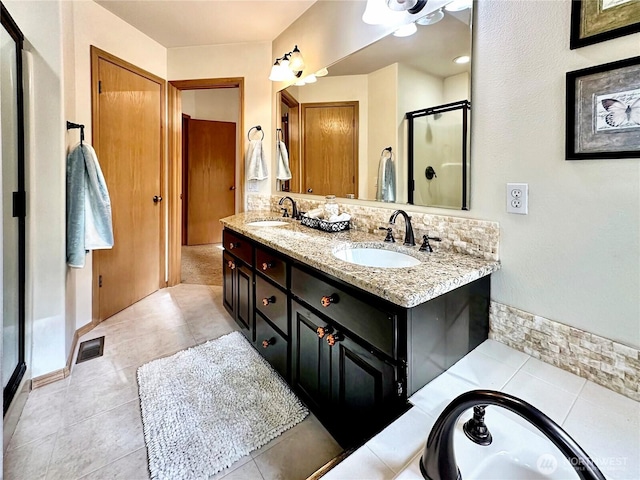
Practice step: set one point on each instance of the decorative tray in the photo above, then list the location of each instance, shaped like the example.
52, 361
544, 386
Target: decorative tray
325, 226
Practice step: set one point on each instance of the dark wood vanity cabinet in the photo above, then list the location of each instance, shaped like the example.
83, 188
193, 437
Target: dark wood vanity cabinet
352, 357
238, 282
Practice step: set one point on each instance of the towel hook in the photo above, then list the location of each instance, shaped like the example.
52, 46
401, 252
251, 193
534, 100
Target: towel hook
258, 128
387, 149
71, 125
279, 135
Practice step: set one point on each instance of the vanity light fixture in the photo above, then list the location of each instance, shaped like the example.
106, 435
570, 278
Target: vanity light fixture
287, 67
411, 6
323, 72
310, 79
406, 30
462, 59
431, 18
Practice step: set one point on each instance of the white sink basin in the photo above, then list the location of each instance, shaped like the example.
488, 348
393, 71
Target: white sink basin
267, 223
376, 257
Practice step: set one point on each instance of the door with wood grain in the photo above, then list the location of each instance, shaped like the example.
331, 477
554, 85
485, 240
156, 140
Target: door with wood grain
211, 164
127, 134
330, 148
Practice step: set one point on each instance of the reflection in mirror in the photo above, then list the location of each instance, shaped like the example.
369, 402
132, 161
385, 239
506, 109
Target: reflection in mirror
336, 128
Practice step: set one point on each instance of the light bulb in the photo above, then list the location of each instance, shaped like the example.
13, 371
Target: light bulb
431, 18
310, 79
323, 72
401, 5
462, 59
406, 30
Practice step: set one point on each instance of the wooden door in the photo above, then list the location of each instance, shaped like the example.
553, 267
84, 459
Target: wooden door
128, 140
211, 179
330, 148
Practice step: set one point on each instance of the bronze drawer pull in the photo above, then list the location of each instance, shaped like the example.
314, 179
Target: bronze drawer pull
268, 265
267, 342
233, 245
231, 265
322, 331
266, 301
328, 300
332, 338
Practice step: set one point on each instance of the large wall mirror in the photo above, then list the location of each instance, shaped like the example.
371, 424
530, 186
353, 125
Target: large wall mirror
338, 130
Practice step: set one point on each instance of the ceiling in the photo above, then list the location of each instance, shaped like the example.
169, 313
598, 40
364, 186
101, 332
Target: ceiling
181, 23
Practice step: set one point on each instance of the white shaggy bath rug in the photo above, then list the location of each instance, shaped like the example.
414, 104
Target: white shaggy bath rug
208, 406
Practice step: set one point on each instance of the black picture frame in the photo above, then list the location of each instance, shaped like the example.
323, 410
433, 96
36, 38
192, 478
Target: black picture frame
596, 131
605, 24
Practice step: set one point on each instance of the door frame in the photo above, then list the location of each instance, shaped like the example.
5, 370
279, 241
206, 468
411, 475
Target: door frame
96, 55
175, 161
294, 133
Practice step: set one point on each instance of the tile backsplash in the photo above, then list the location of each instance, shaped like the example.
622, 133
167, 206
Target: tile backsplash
603, 361
479, 238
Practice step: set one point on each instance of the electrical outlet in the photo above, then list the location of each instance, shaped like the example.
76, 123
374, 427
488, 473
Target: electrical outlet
518, 198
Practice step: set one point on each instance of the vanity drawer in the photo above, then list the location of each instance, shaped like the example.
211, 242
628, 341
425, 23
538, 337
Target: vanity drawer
271, 265
272, 346
372, 324
238, 246
272, 303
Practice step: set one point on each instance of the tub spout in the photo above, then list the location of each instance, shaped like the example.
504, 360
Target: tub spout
438, 460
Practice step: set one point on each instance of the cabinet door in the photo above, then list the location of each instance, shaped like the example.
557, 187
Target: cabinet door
244, 314
310, 360
364, 393
272, 346
229, 283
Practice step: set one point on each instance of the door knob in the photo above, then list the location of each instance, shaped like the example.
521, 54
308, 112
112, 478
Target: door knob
233, 187
309, 190
267, 300
157, 198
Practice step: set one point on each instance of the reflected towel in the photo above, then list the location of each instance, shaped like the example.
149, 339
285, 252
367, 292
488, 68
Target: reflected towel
89, 224
256, 161
284, 173
386, 191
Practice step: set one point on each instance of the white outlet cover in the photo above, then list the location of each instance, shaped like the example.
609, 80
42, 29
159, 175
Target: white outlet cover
518, 198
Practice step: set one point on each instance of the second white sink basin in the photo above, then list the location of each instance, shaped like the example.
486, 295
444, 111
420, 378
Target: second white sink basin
376, 257
267, 223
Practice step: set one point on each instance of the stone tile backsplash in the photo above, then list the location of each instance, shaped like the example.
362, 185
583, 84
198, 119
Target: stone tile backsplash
603, 361
479, 238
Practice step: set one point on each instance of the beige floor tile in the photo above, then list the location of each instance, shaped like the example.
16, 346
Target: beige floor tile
249, 471
42, 416
130, 467
96, 442
207, 328
305, 424
243, 461
50, 388
88, 398
298, 455
29, 461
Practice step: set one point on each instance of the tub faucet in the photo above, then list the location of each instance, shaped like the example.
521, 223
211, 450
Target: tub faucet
408, 230
294, 209
438, 461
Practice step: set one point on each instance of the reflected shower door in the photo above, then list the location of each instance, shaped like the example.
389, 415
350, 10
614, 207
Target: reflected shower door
13, 208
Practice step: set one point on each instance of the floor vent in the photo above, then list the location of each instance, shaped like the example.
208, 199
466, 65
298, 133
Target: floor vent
90, 349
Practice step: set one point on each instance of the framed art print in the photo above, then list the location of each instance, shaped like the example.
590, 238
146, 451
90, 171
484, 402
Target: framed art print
594, 21
603, 111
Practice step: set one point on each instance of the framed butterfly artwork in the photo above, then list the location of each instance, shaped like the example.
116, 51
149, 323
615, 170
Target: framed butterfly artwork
603, 111
594, 21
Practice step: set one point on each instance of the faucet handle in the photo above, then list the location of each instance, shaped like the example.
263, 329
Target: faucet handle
426, 246
389, 238
285, 213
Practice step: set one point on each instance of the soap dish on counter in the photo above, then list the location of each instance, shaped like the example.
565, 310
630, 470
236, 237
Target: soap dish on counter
324, 225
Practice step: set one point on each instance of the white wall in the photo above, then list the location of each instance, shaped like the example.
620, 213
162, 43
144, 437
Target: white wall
456, 88
251, 61
575, 257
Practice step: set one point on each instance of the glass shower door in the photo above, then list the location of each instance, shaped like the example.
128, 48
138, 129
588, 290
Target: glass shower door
13, 208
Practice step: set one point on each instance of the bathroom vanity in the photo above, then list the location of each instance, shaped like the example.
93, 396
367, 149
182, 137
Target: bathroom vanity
353, 342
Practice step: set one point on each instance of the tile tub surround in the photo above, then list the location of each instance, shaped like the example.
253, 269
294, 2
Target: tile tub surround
479, 238
603, 361
605, 424
439, 272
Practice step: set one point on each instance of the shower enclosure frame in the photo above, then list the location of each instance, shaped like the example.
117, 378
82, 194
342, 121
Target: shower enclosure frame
465, 107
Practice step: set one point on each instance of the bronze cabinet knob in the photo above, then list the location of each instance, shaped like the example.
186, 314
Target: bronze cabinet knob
233, 245
266, 301
231, 264
328, 300
322, 331
267, 342
332, 338
267, 265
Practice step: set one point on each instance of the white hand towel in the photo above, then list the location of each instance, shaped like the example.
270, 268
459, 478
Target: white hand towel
256, 161
315, 213
343, 217
284, 173
386, 191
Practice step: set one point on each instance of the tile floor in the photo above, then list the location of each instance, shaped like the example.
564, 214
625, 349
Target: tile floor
89, 425
604, 423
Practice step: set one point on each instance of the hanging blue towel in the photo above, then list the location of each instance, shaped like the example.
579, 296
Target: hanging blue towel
89, 224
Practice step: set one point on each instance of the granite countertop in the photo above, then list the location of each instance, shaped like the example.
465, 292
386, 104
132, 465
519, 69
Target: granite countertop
438, 273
